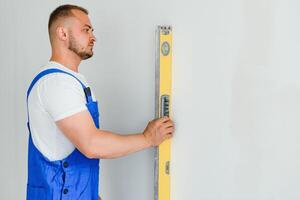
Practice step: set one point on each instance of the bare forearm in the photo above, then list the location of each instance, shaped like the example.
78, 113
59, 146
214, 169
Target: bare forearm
105, 144
94, 143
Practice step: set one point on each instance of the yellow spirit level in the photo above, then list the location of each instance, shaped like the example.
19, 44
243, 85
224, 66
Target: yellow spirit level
163, 71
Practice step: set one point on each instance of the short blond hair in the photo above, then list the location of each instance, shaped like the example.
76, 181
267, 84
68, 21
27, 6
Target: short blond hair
62, 12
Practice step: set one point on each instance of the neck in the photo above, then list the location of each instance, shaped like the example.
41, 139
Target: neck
68, 59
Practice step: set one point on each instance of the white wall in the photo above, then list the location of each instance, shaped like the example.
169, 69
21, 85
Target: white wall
235, 93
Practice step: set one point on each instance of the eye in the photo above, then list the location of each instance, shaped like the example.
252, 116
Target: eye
86, 30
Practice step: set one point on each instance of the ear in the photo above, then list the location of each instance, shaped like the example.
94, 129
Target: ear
62, 33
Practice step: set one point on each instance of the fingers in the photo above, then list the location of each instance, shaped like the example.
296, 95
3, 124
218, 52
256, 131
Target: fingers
159, 130
168, 136
168, 124
163, 119
170, 130
167, 131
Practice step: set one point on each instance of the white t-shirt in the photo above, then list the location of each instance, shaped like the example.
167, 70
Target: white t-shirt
55, 97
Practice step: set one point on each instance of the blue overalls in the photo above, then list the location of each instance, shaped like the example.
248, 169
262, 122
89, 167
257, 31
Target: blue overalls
75, 177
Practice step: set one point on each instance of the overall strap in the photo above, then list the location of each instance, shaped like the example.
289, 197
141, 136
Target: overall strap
87, 90
50, 71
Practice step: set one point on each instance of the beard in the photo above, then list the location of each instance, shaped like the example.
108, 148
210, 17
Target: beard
76, 48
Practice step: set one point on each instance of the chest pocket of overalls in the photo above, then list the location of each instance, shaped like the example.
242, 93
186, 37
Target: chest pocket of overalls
92, 106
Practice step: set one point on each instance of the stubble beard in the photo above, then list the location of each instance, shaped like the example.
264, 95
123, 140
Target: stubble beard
75, 47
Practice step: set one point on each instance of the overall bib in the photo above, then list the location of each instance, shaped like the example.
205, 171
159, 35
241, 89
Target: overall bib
74, 177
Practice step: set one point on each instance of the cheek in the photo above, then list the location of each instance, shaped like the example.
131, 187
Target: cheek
84, 39
81, 38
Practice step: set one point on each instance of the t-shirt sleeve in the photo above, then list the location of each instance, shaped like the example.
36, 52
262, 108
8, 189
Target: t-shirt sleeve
61, 96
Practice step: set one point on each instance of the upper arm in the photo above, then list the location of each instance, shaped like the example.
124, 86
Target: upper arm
79, 129
63, 99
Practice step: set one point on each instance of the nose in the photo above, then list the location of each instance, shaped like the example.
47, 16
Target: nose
93, 38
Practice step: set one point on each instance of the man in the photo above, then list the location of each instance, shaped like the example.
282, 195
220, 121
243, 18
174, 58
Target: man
65, 142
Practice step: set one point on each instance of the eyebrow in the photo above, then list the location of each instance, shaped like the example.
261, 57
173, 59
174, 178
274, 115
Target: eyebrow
89, 27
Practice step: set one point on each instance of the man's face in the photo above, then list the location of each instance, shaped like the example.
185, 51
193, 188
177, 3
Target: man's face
81, 37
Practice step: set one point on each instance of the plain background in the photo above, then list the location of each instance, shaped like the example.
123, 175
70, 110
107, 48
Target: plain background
236, 93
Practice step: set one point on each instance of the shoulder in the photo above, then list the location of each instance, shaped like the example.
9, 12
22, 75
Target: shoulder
59, 85
61, 95
56, 74
61, 80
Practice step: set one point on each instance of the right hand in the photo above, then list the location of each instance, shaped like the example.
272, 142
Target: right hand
159, 130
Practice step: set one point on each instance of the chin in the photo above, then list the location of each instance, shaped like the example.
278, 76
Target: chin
87, 56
